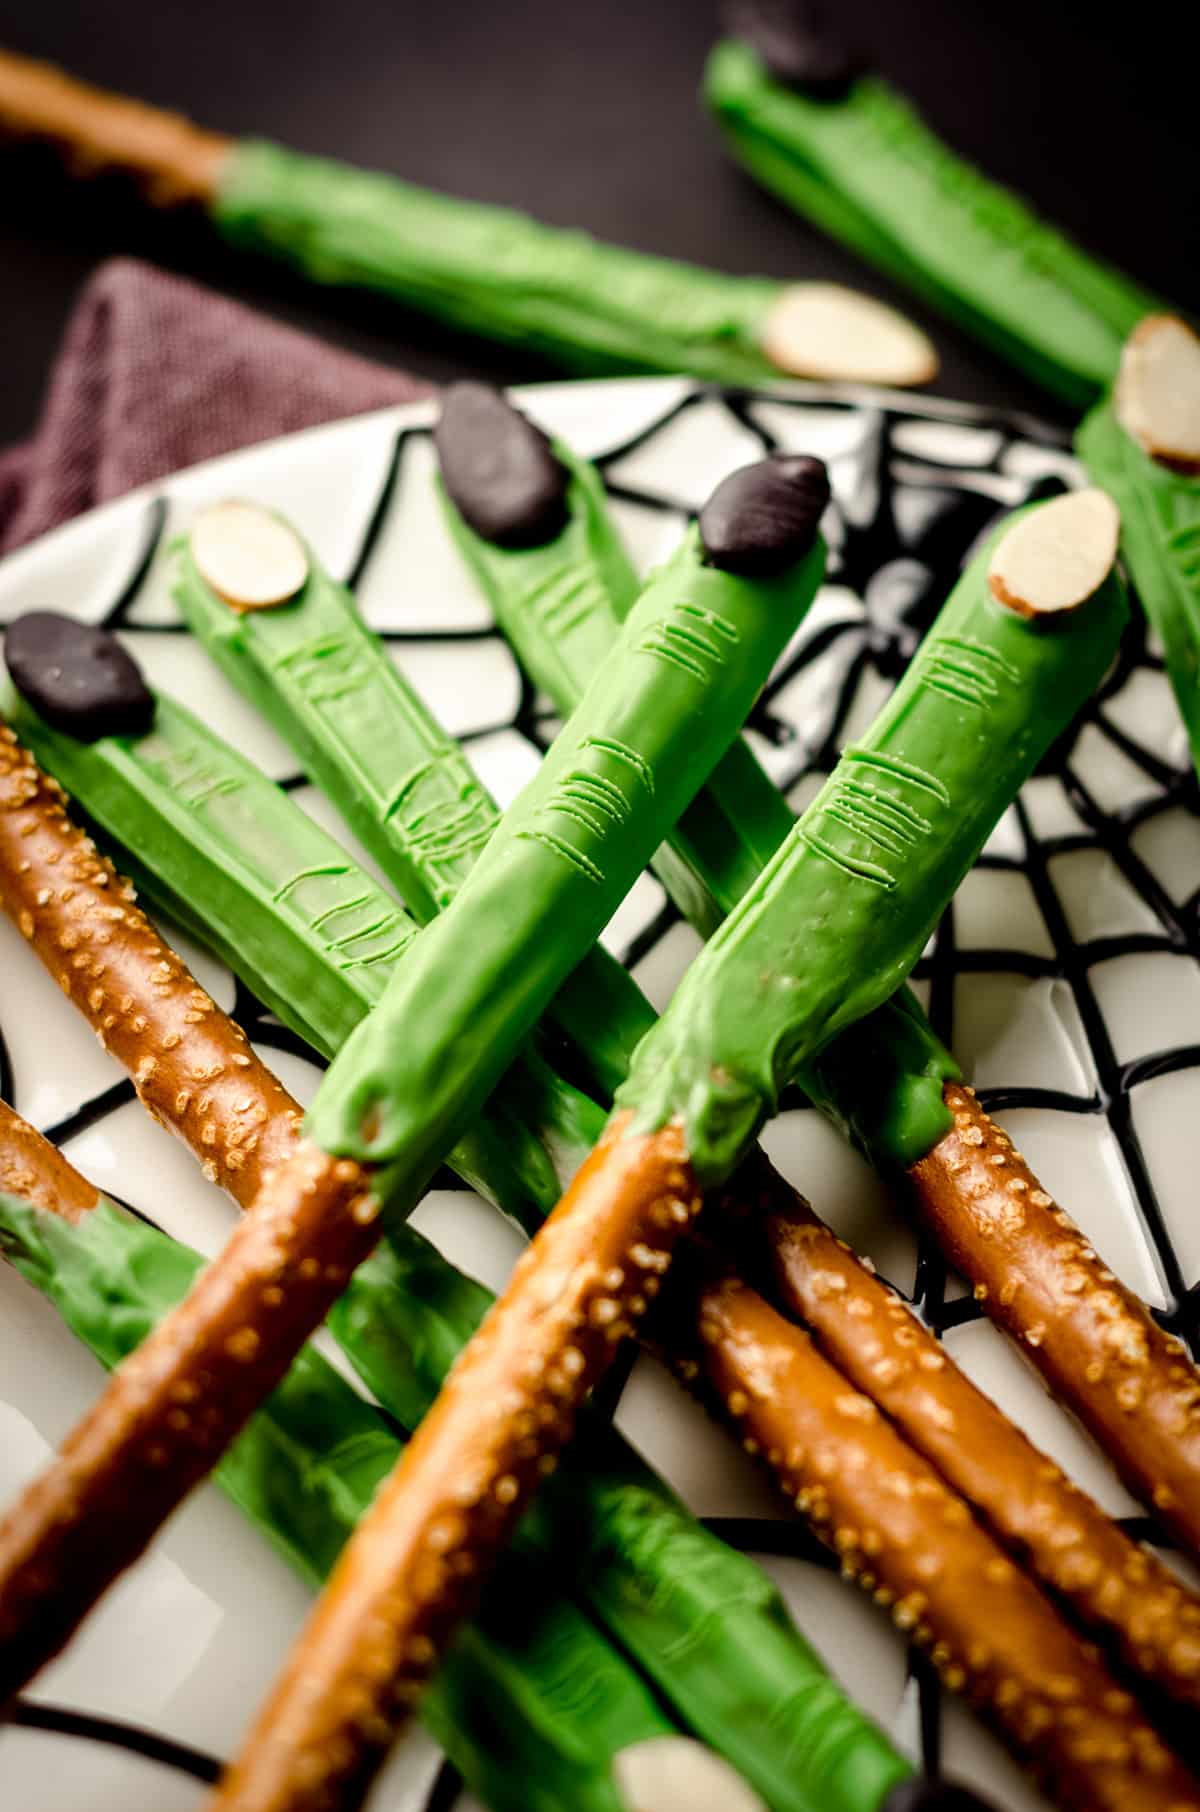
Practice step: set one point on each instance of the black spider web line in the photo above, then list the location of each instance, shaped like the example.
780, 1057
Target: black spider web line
918, 552
115, 1733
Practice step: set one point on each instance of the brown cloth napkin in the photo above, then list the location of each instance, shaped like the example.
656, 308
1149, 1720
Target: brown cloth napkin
155, 373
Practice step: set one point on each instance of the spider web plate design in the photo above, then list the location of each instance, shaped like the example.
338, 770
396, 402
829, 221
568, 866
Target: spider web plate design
1065, 974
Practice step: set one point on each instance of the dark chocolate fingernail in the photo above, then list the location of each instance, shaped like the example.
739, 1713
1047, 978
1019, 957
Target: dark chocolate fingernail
795, 43
77, 677
499, 469
933, 1796
763, 518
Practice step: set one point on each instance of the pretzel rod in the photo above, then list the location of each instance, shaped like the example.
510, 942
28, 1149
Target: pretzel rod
30, 1166
563, 1707
68, 901
1039, 1279
1114, 1587
627, 762
696, 1091
858, 161
1143, 444
171, 160
904, 1536
592, 306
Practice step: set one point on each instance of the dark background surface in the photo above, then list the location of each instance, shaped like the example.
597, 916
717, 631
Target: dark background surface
587, 115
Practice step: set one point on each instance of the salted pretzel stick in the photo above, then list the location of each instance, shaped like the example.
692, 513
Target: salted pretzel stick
698, 648
138, 997
31, 1167
753, 1009
1114, 1587
1039, 1279
172, 160
593, 306
905, 1537
167, 1415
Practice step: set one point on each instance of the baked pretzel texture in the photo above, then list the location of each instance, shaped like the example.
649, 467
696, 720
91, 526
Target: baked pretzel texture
1117, 1589
191, 1065
905, 1537
168, 1413
413, 1567
33, 1168
172, 160
1095, 1343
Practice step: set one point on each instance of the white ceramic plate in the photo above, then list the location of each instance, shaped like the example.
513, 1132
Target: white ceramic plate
1066, 973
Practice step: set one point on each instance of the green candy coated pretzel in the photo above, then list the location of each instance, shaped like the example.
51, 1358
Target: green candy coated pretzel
840, 915
364, 736
868, 171
232, 859
597, 308
1160, 542
663, 706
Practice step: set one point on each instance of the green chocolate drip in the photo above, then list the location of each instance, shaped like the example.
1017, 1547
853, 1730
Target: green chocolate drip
238, 864
560, 606
665, 703
406, 789
594, 307
532, 1703
840, 915
1160, 542
872, 174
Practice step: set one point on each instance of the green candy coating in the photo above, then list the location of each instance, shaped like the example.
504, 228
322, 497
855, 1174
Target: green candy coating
594, 307
665, 703
1160, 543
841, 914
869, 171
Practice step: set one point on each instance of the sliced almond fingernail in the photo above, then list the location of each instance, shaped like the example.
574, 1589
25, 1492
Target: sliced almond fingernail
250, 558
823, 330
1059, 555
678, 1774
1158, 391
